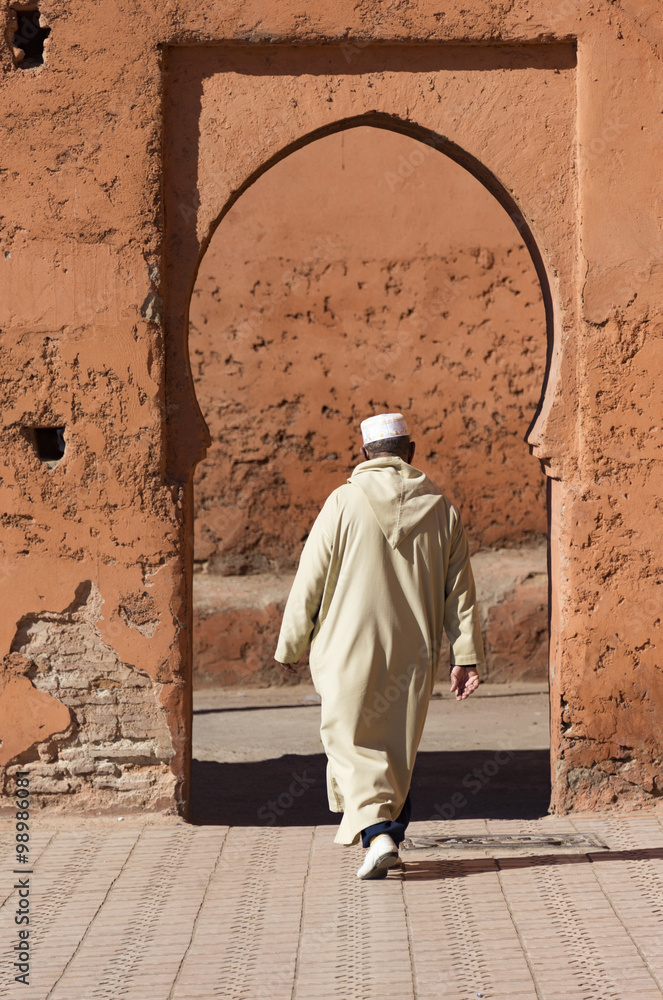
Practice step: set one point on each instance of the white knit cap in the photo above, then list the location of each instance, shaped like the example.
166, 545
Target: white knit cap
384, 425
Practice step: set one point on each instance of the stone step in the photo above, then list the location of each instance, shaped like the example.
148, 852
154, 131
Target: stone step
237, 620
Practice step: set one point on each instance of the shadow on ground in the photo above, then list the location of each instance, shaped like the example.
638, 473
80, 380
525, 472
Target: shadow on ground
291, 790
435, 869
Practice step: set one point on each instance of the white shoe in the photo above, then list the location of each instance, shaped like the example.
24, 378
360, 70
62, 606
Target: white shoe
380, 857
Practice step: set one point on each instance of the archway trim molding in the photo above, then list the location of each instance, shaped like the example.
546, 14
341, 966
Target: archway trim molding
232, 112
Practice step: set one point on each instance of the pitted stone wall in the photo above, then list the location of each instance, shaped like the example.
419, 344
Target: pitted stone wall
332, 291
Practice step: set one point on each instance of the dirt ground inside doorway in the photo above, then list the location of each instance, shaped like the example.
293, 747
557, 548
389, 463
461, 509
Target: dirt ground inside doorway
258, 759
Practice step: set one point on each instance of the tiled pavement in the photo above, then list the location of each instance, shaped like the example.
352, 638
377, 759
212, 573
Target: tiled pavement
176, 912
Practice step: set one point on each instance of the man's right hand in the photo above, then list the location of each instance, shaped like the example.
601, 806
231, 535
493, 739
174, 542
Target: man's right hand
464, 680
290, 667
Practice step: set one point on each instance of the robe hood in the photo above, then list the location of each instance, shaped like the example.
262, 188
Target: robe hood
400, 495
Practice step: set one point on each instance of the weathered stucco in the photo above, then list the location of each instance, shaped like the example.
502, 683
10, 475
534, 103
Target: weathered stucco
120, 159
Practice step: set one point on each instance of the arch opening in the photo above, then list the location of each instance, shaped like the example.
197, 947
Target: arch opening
436, 141
388, 278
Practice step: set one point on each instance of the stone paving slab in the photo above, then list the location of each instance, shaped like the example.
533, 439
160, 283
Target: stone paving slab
178, 912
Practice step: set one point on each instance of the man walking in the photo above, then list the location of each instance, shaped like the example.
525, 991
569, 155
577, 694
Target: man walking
385, 570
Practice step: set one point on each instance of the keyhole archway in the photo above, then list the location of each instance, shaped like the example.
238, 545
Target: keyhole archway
301, 324
232, 112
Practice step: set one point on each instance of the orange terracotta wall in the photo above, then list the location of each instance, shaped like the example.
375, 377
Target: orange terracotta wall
364, 272
91, 551
120, 154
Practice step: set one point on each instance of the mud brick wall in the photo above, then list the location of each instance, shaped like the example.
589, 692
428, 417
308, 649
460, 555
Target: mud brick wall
119, 160
92, 725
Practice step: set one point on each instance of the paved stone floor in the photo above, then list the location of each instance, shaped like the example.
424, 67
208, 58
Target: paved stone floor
169, 911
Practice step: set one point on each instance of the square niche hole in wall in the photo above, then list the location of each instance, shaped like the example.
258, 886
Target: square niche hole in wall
49, 444
29, 38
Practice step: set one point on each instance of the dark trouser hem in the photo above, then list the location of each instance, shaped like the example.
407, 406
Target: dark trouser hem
394, 827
